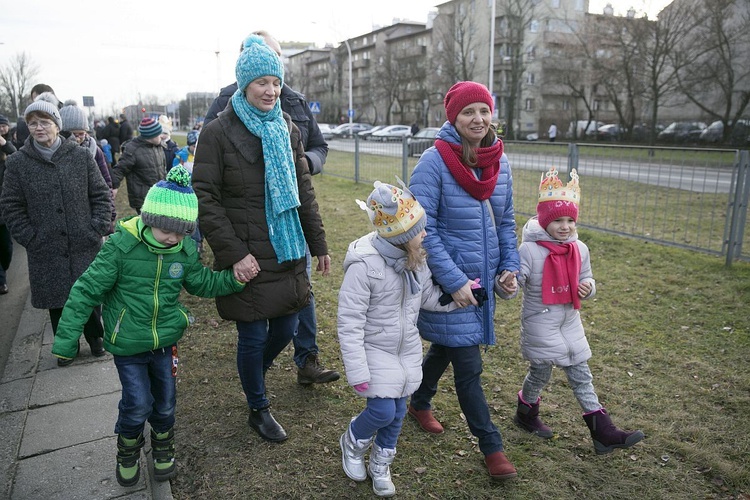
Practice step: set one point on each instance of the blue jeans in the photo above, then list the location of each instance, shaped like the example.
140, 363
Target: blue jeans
579, 379
304, 335
259, 342
467, 371
383, 416
149, 391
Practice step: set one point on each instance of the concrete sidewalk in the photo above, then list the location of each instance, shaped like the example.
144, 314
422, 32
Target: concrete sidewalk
57, 424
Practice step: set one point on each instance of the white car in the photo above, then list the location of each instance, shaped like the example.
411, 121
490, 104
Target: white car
391, 133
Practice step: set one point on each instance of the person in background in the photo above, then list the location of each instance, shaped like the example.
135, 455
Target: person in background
310, 369
107, 150
386, 281
552, 132
142, 163
257, 210
465, 185
112, 134
56, 204
147, 257
186, 155
170, 147
125, 130
6, 243
555, 276
75, 127
414, 128
22, 131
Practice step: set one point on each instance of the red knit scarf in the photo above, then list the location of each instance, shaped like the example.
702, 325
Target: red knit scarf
560, 275
488, 160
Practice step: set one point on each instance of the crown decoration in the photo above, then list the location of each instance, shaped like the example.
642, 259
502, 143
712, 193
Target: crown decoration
551, 187
392, 214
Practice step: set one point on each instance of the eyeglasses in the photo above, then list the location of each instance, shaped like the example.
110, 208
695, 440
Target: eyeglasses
43, 125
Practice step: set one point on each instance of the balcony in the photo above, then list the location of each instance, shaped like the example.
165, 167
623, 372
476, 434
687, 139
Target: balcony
361, 63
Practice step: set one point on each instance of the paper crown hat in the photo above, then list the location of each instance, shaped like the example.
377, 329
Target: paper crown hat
556, 199
394, 212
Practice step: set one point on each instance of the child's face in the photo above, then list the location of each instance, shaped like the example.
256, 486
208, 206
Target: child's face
167, 238
416, 242
561, 229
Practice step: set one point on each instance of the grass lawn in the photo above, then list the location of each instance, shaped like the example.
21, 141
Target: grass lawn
670, 335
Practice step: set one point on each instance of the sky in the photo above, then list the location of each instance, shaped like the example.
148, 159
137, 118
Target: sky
120, 51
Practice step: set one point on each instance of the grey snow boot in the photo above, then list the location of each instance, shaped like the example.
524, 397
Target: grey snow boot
353, 454
379, 469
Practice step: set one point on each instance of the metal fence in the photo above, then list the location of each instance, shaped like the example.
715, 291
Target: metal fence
693, 198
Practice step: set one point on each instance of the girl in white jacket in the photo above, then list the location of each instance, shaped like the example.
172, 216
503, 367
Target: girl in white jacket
386, 282
555, 275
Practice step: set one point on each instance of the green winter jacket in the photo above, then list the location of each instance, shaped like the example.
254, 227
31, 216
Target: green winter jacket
139, 291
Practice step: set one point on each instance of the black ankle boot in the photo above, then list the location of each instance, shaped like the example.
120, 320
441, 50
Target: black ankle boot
97, 347
266, 426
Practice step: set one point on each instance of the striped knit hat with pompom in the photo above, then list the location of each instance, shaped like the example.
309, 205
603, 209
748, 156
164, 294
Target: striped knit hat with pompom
171, 204
149, 128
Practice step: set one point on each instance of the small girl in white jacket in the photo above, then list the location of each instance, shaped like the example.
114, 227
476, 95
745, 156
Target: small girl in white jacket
555, 275
386, 282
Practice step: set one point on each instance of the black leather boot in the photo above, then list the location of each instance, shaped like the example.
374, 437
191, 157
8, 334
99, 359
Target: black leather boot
266, 426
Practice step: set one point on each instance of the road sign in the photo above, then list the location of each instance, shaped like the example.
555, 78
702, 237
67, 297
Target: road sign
88, 101
315, 107
351, 113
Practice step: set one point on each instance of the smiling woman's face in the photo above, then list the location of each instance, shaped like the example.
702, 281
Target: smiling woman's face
263, 92
473, 122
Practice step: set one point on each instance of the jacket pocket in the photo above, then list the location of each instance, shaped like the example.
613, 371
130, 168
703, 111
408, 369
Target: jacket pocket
116, 329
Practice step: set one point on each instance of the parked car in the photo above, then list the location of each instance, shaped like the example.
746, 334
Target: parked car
365, 134
682, 132
610, 132
714, 133
582, 128
349, 129
422, 140
326, 129
391, 133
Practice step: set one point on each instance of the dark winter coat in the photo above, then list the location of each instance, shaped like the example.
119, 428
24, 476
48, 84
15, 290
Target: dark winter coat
143, 164
112, 134
126, 132
293, 103
139, 290
229, 179
59, 210
5, 151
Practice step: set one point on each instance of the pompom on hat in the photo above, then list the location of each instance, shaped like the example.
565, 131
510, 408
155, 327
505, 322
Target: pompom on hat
149, 128
73, 117
462, 94
171, 204
394, 212
47, 108
256, 60
557, 200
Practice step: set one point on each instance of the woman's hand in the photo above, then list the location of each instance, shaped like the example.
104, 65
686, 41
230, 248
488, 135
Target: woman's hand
246, 269
463, 296
508, 283
324, 264
584, 289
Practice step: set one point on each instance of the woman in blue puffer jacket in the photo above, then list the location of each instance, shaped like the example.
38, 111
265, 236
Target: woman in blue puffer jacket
465, 185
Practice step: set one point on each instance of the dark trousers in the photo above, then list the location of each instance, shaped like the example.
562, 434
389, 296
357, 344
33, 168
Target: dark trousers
467, 371
6, 251
92, 329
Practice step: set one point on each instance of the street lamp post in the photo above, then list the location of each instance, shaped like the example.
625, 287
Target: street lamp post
350, 111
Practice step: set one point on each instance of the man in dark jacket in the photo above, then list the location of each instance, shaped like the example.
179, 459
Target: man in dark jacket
310, 370
126, 130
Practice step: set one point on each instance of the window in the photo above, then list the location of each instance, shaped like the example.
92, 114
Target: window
555, 4
530, 78
531, 53
534, 26
529, 105
597, 104
566, 105
579, 5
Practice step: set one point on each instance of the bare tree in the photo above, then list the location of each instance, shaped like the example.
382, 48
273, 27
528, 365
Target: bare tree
16, 78
715, 74
454, 60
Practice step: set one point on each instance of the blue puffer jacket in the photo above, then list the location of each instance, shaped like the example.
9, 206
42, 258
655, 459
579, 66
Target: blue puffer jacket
462, 244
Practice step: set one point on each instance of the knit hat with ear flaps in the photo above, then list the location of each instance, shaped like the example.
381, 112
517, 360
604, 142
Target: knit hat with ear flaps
149, 128
46, 108
171, 204
557, 200
394, 212
73, 117
257, 59
462, 94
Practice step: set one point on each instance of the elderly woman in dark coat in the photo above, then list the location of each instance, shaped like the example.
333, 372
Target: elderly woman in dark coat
257, 209
56, 204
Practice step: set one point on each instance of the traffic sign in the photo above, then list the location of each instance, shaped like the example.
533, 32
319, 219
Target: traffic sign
88, 101
351, 113
314, 107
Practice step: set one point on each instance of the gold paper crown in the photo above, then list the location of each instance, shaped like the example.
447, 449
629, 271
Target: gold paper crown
392, 210
551, 187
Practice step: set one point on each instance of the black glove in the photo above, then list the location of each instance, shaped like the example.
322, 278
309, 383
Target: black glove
480, 295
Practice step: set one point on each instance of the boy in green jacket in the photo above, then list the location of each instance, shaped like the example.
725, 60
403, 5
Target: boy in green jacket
137, 276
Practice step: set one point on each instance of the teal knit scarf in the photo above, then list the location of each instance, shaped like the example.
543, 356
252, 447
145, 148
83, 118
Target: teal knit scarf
282, 194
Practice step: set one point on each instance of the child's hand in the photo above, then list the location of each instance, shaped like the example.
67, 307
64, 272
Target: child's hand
361, 387
584, 289
508, 283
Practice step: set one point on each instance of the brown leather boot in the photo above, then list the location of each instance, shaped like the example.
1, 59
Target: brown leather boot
499, 467
426, 421
314, 373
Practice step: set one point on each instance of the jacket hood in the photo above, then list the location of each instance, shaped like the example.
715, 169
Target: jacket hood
359, 250
448, 133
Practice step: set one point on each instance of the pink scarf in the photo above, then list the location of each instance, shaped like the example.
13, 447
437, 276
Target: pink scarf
562, 268
488, 160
